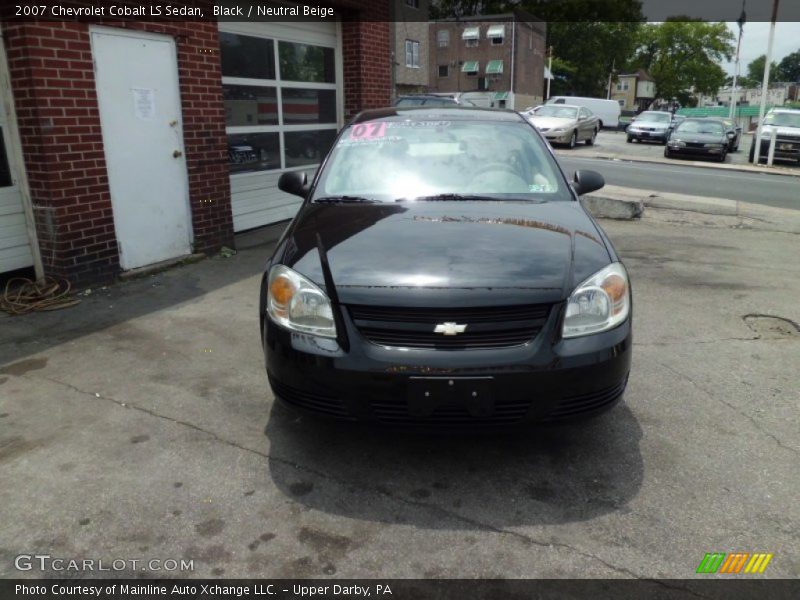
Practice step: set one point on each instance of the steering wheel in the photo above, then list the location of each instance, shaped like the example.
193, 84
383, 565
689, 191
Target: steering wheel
497, 166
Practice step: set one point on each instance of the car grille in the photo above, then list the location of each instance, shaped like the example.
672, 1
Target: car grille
396, 413
695, 145
487, 327
575, 406
318, 403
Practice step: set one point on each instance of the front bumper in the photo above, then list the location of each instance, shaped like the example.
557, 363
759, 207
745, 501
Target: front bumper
691, 151
558, 138
543, 380
656, 136
785, 149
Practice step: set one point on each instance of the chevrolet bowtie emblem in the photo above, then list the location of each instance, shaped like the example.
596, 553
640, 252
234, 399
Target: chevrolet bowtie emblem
449, 328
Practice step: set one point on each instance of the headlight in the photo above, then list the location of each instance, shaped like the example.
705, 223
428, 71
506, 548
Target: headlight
677, 143
296, 303
598, 304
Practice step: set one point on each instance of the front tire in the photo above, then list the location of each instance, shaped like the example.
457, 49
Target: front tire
630, 140
667, 153
573, 140
752, 155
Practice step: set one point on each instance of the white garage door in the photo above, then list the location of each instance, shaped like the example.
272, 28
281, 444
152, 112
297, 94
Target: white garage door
282, 85
15, 247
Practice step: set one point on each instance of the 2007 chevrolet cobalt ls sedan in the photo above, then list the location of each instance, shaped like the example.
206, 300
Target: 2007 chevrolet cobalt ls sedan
442, 272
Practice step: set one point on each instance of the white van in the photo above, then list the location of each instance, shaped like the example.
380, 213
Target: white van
608, 111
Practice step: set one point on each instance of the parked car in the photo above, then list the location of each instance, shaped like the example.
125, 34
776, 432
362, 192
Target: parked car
607, 111
698, 137
732, 130
786, 123
412, 100
565, 124
441, 272
650, 125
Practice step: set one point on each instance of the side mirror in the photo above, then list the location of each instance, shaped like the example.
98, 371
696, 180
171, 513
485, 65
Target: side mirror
587, 181
294, 182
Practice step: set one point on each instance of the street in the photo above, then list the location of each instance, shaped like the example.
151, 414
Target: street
139, 424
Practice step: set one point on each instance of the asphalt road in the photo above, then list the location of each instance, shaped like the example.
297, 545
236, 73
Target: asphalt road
759, 188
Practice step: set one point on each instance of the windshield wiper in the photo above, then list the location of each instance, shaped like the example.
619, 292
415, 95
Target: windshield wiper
345, 200
446, 197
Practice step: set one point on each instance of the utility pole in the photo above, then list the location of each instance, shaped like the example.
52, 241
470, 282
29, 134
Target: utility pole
610, 77
765, 82
734, 97
550, 70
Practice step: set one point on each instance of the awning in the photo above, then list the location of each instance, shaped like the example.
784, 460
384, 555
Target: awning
471, 33
500, 96
470, 66
494, 67
496, 31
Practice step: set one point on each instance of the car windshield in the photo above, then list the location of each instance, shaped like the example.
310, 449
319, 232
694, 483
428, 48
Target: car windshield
398, 159
655, 117
783, 119
710, 127
563, 112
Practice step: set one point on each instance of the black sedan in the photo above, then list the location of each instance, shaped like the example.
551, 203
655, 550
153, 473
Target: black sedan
732, 130
442, 273
698, 137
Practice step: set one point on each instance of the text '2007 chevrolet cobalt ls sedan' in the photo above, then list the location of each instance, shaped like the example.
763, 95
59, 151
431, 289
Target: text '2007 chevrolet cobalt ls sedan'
441, 272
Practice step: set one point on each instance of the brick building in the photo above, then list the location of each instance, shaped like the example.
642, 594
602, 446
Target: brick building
501, 56
126, 143
409, 30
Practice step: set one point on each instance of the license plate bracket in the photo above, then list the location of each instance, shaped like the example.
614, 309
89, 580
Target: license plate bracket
426, 394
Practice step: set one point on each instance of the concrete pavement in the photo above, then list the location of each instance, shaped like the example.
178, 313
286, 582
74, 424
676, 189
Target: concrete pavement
139, 425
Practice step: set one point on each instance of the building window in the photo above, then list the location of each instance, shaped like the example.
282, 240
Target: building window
280, 102
623, 86
496, 34
412, 54
444, 71
471, 36
412, 3
443, 38
470, 68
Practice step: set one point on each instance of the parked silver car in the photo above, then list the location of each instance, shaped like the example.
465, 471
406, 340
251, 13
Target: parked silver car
565, 123
651, 125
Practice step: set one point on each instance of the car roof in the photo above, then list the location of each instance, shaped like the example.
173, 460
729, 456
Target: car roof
422, 113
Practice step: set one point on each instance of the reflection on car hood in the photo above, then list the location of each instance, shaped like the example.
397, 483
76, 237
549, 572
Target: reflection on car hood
447, 253
551, 122
653, 124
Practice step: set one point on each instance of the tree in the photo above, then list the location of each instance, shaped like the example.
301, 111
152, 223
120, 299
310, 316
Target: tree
590, 39
755, 70
683, 56
789, 67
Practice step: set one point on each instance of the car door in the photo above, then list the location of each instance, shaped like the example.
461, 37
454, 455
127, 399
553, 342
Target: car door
585, 124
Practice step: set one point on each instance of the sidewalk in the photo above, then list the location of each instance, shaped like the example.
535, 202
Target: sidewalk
610, 198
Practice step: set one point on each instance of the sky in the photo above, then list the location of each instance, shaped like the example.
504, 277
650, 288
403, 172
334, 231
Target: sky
755, 39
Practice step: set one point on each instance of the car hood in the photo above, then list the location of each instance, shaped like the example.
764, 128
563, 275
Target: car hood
444, 253
551, 122
706, 138
650, 124
766, 130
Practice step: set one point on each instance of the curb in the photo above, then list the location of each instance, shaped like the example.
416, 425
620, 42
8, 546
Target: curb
618, 200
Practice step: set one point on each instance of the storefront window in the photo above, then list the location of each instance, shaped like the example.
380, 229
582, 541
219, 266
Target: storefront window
254, 152
302, 62
302, 106
247, 56
247, 105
